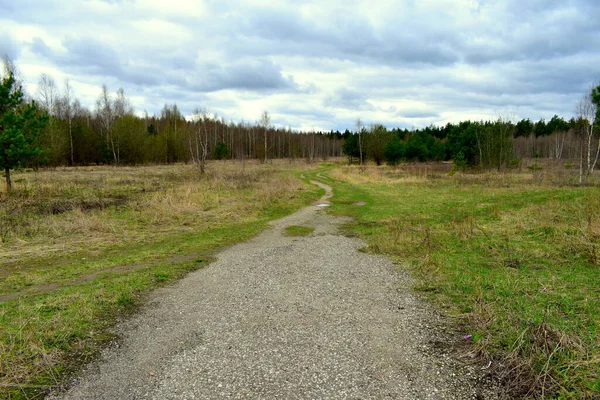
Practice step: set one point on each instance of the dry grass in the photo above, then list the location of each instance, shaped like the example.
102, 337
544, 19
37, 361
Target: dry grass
81, 245
69, 210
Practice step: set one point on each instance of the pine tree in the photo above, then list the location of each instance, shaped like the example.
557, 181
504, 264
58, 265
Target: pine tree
20, 124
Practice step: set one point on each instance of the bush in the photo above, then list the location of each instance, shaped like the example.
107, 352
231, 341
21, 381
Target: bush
221, 151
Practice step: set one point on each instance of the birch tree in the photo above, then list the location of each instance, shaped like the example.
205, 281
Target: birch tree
595, 97
586, 113
47, 93
359, 129
202, 117
106, 116
68, 107
53, 138
265, 123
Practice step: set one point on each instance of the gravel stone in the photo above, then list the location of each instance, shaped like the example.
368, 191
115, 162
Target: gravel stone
282, 317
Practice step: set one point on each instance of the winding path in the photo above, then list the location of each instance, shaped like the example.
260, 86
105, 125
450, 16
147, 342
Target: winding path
282, 317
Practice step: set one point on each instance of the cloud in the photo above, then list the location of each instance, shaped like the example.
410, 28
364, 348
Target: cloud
349, 99
304, 111
90, 56
318, 64
8, 47
346, 35
259, 75
418, 114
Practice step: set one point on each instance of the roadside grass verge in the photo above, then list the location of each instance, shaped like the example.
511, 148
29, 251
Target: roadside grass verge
81, 246
514, 258
298, 230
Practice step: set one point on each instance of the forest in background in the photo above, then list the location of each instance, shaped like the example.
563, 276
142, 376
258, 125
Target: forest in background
482, 144
112, 133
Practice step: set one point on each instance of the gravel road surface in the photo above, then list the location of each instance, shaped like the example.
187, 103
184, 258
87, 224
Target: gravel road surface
283, 318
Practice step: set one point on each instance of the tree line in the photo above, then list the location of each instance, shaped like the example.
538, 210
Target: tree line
485, 144
112, 133
52, 128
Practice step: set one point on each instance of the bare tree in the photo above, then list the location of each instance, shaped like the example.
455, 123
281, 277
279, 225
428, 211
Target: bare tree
122, 106
265, 123
559, 143
503, 139
49, 98
201, 117
106, 115
595, 99
359, 129
586, 113
68, 109
311, 146
47, 93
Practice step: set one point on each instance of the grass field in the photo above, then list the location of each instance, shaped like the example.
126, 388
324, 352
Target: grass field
514, 257
79, 247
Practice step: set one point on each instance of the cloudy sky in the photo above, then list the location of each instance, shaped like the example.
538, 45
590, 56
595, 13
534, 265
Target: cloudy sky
316, 64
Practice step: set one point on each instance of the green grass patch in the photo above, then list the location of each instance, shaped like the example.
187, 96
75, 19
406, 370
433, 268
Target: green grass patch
298, 230
517, 264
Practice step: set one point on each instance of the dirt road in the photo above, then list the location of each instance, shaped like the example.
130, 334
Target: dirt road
287, 318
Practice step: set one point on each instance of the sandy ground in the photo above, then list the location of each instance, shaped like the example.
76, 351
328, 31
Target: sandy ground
284, 318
